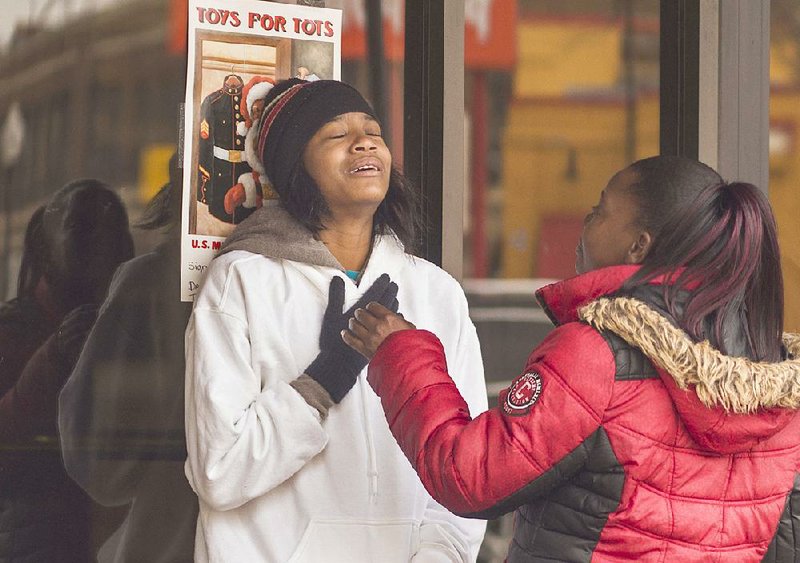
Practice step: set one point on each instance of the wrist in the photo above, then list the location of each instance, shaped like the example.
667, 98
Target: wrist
336, 373
314, 394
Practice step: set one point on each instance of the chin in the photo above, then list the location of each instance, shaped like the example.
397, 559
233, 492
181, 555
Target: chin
373, 194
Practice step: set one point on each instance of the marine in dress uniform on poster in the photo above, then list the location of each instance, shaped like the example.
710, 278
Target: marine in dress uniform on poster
236, 51
221, 149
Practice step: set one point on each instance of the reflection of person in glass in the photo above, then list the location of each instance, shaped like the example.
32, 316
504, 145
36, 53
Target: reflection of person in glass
289, 451
121, 411
658, 421
72, 247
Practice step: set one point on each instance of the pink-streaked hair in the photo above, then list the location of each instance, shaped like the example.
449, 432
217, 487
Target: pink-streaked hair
718, 238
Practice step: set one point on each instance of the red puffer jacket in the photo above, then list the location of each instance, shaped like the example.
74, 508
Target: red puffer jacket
621, 440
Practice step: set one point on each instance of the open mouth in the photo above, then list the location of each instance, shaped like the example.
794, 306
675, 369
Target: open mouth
366, 167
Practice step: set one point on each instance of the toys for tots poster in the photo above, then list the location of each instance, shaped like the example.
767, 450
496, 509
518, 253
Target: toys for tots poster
236, 51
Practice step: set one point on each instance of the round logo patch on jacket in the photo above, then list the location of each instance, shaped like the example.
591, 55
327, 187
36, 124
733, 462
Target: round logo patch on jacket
523, 394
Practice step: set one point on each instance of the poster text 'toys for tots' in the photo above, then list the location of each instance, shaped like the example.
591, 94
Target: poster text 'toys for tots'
267, 22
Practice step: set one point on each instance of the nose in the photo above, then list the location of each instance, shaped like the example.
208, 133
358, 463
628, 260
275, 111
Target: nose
364, 143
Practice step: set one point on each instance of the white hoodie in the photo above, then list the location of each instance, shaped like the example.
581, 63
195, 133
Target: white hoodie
276, 483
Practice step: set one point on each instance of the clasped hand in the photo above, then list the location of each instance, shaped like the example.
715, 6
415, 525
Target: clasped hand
370, 326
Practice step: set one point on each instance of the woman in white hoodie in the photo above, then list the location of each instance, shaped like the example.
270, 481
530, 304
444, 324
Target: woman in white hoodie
288, 447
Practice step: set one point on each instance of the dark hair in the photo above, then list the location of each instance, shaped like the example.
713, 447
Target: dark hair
86, 237
164, 209
716, 239
32, 267
397, 213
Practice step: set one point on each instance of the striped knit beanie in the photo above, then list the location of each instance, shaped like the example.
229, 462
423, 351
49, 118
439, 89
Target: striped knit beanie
294, 110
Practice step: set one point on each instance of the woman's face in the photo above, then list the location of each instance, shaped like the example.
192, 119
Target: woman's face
611, 232
350, 163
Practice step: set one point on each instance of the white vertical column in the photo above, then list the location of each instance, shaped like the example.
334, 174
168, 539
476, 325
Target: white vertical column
734, 89
453, 170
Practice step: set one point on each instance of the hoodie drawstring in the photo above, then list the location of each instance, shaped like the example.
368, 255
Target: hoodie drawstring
372, 467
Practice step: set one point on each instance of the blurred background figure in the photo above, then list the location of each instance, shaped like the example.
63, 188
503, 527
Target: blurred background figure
121, 412
72, 247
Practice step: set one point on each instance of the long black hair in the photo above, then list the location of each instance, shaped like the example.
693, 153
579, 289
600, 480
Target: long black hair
33, 252
718, 240
164, 209
79, 241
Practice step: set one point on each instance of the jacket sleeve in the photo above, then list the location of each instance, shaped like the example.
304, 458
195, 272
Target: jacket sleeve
444, 536
785, 544
242, 440
121, 411
28, 408
490, 465
15, 351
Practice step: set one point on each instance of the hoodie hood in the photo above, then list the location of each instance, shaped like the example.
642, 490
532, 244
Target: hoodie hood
271, 231
728, 404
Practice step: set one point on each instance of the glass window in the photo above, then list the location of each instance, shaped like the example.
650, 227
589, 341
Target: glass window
559, 96
574, 101
571, 99
99, 87
784, 146
372, 60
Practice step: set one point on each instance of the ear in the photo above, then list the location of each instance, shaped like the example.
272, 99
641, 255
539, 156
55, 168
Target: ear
639, 248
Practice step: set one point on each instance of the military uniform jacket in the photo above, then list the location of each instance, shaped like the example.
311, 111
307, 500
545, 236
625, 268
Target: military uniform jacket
221, 152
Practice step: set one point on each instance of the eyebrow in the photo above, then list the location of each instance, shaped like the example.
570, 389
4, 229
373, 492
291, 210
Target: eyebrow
366, 116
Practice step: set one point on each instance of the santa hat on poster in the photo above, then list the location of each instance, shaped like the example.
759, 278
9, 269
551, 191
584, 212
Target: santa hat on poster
255, 89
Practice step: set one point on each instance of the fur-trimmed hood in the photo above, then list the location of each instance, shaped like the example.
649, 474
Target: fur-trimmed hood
727, 403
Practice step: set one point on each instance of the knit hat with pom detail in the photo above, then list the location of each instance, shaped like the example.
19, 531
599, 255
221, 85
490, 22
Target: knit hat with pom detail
294, 110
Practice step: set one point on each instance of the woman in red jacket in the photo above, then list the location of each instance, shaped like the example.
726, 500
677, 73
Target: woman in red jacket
657, 421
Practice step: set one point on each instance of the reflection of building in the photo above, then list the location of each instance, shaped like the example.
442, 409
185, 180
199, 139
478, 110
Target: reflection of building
571, 123
580, 110
784, 180
97, 94
94, 93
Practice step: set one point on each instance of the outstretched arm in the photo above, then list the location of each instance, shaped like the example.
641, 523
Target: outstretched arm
537, 437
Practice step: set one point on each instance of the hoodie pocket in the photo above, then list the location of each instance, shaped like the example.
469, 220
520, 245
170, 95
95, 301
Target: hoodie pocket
350, 541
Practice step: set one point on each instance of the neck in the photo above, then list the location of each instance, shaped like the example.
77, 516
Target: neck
349, 241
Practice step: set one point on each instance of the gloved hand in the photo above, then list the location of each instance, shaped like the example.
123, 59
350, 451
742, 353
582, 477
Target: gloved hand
72, 333
337, 366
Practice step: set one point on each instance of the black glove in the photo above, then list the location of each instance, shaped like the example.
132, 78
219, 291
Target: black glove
337, 366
